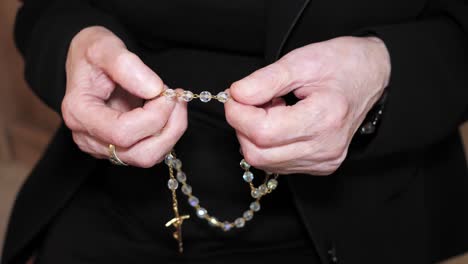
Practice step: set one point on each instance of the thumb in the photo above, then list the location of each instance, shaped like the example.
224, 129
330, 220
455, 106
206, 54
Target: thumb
125, 68
263, 85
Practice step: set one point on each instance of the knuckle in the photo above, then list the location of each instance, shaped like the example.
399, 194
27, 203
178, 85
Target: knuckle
342, 157
97, 148
68, 111
95, 49
254, 158
125, 134
279, 73
263, 136
334, 154
337, 112
121, 138
143, 158
76, 138
79, 142
273, 71
145, 161
276, 75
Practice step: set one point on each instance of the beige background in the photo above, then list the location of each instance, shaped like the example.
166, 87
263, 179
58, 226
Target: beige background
25, 123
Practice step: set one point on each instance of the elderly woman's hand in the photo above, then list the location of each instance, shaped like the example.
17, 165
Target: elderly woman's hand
337, 81
107, 86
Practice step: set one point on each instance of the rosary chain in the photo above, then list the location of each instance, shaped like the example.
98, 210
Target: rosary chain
269, 183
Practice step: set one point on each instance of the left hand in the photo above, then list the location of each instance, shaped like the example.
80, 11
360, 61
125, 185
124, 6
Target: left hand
337, 83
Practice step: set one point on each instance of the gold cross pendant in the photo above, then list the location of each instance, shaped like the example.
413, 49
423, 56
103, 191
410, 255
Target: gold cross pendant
177, 223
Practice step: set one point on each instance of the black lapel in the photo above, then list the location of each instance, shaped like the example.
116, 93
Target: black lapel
282, 16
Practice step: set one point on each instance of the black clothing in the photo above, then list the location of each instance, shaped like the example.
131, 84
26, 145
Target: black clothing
396, 199
209, 151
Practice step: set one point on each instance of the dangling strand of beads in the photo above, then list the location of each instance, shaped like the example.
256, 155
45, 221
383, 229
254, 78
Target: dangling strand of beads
269, 184
257, 193
177, 221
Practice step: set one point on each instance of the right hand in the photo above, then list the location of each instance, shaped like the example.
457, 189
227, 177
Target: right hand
108, 100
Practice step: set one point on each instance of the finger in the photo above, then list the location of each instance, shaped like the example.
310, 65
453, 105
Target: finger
298, 157
149, 151
263, 85
123, 101
125, 68
152, 150
275, 102
89, 145
270, 157
277, 124
123, 128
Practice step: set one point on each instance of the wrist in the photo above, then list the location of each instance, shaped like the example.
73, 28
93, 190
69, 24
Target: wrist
380, 66
382, 58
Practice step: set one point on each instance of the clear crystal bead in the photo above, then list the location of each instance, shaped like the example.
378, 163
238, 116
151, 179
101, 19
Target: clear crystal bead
181, 177
244, 165
255, 206
170, 93
201, 212
205, 96
186, 189
187, 96
240, 222
177, 164
172, 184
168, 159
248, 215
272, 184
256, 193
213, 221
222, 97
226, 226
263, 189
248, 176
193, 201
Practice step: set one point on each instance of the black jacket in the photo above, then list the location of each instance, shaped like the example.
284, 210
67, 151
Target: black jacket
402, 197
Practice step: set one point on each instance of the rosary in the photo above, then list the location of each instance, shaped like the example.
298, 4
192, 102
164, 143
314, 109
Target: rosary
177, 176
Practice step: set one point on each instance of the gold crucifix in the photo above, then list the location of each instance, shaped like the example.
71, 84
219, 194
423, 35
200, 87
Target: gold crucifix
178, 220
177, 223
